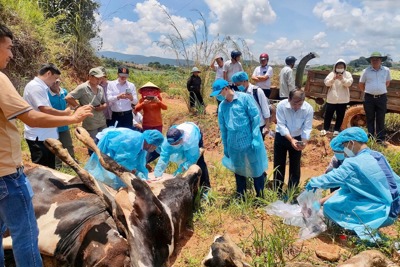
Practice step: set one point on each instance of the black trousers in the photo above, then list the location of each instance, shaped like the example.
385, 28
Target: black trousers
193, 96
281, 147
205, 178
340, 110
375, 111
40, 154
125, 119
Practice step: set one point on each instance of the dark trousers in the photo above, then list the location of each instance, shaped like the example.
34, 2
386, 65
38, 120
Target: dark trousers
340, 110
375, 111
281, 147
193, 96
267, 92
40, 154
259, 183
124, 119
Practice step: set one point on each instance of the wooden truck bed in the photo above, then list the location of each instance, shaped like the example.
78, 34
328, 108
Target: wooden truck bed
315, 88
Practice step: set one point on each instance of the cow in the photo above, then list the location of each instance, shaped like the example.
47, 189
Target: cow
83, 222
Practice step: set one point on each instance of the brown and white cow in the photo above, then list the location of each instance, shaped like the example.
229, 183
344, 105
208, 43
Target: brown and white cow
85, 223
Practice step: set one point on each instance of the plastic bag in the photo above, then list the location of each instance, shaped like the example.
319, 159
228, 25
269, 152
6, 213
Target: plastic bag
307, 214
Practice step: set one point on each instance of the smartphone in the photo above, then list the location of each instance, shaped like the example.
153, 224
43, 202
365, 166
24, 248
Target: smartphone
300, 143
150, 97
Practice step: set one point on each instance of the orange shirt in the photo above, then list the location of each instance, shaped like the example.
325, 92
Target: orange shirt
151, 112
11, 105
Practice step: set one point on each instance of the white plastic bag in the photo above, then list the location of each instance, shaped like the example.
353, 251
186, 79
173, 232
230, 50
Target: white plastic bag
307, 214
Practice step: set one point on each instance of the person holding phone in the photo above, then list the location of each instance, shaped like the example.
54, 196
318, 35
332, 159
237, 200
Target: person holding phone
294, 124
338, 80
151, 103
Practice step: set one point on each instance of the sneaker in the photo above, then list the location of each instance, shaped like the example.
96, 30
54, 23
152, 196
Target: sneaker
335, 133
323, 132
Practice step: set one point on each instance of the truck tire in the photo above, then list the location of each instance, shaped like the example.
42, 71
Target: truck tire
354, 116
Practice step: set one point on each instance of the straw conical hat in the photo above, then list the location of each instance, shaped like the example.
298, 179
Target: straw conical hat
149, 85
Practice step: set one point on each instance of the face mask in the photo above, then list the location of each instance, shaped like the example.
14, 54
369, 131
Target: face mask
339, 70
241, 88
349, 152
220, 98
339, 155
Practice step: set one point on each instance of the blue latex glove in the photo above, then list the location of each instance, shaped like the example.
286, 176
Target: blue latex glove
254, 144
309, 188
141, 176
178, 171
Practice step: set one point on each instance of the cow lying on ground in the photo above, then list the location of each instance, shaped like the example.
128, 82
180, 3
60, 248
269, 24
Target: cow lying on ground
90, 224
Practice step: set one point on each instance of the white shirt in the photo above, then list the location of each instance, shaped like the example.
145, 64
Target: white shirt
35, 93
286, 81
114, 89
375, 80
137, 119
231, 68
293, 122
219, 72
261, 71
262, 104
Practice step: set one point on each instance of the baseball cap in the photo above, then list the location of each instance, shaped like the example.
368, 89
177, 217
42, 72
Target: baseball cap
217, 86
123, 71
174, 135
96, 72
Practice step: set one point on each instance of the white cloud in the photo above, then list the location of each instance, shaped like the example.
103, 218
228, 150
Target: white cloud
283, 44
239, 17
319, 40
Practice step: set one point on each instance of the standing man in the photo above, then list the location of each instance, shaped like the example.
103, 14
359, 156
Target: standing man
217, 65
241, 79
36, 94
193, 85
91, 93
262, 75
104, 83
121, 94
16, 209
182, 146
374, 82
57, 99
293, 129
244, 150
286, 79
232, 66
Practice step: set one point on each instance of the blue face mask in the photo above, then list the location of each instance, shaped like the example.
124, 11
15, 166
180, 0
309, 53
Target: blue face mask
241, 88
220, 98
339, 155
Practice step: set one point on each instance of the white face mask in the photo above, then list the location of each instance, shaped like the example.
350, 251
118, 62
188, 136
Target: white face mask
340, 70
349, 152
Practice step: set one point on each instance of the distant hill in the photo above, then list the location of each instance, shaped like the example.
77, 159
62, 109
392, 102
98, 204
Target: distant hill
138, 59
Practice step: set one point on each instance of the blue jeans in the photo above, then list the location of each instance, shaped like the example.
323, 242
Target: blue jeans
17, 214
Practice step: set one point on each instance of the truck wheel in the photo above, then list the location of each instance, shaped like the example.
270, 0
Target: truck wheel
354, 116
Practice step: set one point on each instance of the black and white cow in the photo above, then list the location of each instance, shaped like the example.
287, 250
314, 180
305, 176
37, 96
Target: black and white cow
85, 223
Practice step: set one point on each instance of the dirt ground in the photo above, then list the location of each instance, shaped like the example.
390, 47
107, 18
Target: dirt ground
315, 159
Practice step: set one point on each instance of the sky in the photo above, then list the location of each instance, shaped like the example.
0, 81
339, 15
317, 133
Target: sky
332, 28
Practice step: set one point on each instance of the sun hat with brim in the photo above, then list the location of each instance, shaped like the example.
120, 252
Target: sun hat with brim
217, 87
149, 85
377, 55
195, 69
352, 133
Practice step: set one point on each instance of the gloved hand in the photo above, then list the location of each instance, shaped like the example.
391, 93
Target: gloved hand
254, 144
309, 188
141, 176
178, 171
